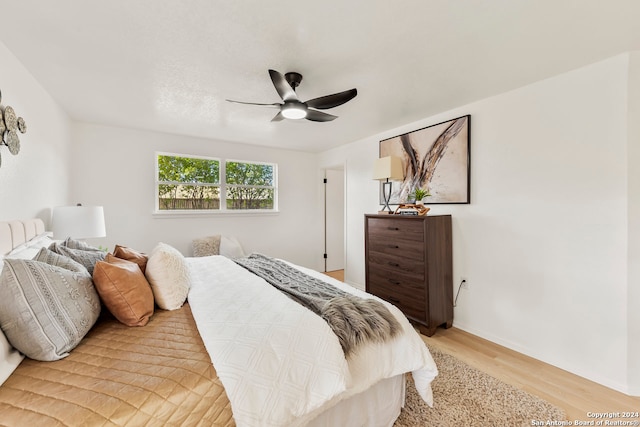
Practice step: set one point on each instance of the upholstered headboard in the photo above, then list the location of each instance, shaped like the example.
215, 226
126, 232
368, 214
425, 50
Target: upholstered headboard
15, 233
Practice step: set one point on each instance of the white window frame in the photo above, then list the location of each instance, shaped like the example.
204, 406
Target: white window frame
222, 185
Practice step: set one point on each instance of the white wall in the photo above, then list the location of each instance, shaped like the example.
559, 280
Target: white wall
543, 243
115, 167
38, 177
633, 180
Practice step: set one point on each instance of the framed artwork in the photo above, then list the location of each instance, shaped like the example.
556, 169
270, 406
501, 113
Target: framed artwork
436, 159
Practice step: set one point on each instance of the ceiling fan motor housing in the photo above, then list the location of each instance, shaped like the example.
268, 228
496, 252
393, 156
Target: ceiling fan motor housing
293, 79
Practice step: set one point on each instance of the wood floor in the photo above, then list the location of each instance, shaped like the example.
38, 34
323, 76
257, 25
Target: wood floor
576, 395
337, 274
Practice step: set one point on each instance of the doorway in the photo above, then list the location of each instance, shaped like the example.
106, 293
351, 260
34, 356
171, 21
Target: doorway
334, 219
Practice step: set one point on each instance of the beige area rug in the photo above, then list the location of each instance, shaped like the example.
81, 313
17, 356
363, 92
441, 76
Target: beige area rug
465, 396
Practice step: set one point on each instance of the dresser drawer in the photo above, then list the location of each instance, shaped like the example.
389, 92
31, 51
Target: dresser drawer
399, 269
396, 228
397, 247
407, 283
409, 300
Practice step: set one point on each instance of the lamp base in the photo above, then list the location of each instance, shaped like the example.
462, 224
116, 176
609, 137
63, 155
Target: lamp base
386, 195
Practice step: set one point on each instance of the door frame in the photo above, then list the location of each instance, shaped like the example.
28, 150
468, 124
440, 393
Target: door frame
342, 167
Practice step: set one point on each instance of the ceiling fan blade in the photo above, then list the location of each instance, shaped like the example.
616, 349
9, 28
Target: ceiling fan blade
319, 116
331, 101
278, 117
252, 103
284, 89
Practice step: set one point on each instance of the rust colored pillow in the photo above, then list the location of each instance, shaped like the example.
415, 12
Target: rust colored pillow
129, 254
124, 290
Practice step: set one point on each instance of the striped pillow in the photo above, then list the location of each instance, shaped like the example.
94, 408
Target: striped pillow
45, 310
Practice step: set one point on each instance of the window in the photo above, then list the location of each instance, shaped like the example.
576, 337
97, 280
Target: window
191, 183
249, 185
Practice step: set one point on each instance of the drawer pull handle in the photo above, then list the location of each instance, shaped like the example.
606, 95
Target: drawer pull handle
395, 282
394, 264
393, 228
394, 246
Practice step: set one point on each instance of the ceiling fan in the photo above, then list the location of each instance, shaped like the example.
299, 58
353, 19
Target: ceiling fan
293, 108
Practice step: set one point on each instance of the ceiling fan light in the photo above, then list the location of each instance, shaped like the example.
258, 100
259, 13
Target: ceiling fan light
294, 110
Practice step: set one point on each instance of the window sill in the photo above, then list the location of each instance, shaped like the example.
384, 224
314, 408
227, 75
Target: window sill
212, 214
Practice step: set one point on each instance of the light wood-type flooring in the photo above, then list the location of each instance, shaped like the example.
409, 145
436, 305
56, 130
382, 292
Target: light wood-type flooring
337, 274
576, 395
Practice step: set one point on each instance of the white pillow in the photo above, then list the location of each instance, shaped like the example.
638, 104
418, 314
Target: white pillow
10, 358
168, 275
29, 249
230, 247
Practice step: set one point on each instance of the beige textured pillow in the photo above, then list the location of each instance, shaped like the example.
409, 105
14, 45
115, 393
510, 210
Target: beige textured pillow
124, 290
206, 246
168, 274
45, 310
86, 258
79, 244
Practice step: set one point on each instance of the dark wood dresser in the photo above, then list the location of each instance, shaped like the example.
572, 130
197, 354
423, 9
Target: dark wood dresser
408, 262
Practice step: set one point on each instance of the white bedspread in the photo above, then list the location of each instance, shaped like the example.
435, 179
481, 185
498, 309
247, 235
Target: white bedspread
279, 362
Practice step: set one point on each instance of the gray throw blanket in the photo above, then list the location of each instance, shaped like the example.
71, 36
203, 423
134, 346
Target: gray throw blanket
354, 320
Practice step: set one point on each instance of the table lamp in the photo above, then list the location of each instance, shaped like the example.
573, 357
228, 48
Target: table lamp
386, 168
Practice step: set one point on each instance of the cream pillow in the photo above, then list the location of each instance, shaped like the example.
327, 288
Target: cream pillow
168, 275
230, 247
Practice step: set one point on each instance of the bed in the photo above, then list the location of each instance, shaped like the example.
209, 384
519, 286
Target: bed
236, 352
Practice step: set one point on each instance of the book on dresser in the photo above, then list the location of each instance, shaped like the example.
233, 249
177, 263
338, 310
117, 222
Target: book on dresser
408, 262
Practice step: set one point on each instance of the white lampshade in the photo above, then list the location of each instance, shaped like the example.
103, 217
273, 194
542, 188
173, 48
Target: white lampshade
78, 222
389, 167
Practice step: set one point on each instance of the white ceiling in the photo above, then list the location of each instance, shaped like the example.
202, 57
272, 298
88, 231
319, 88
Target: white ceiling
169, 65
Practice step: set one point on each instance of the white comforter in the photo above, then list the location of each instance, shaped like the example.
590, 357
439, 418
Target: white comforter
280, 363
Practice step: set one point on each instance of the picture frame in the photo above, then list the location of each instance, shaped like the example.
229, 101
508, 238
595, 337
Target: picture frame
436, 158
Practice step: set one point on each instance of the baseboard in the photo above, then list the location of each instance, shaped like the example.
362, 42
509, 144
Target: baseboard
356, 285
634, 391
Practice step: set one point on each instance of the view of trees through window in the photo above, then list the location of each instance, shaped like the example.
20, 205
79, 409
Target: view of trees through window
249, 185
196, 183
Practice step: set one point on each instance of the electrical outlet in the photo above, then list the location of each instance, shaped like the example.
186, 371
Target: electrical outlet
464, 283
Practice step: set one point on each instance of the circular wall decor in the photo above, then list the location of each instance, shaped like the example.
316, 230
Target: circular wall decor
22, 125
10, 118
13, 142
10, 125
